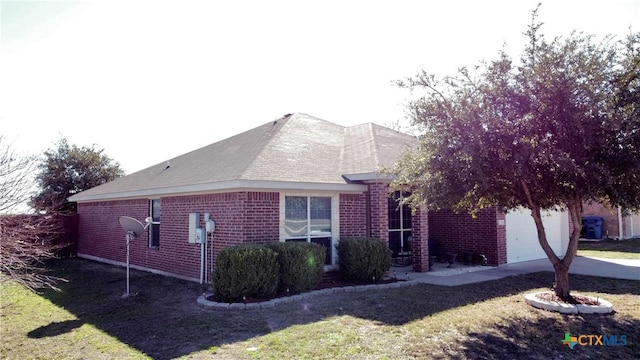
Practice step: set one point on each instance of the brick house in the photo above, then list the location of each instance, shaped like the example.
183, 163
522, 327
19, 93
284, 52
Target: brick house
298, 178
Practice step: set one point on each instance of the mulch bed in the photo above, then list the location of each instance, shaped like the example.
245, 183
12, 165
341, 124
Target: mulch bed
574, 300
332, 279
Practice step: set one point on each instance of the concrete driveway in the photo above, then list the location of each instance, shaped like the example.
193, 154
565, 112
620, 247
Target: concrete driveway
613, 268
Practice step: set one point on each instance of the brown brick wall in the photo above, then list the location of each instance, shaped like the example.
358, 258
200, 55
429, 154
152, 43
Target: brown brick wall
353, 212
100, 234
261, 217
461, 233
253, 217
420, 240
239, 217
378, 195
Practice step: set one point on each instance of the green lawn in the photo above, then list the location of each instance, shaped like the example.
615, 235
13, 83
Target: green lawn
611, 249
90, 320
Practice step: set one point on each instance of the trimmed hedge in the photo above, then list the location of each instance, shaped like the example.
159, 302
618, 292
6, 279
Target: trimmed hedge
363, 260
244, 272
259, 271
301, 265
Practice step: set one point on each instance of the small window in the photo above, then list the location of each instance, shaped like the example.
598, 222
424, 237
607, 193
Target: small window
154, 232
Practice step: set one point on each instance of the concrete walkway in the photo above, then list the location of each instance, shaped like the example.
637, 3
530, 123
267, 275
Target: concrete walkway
461, 275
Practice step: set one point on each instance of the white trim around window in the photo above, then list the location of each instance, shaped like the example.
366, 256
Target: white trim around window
154, 229
335, 217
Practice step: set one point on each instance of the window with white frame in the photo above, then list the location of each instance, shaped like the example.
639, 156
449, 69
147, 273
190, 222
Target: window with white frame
308, 219
154, 228
399, 224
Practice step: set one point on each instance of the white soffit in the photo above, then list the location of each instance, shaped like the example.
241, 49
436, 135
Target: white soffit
225, 186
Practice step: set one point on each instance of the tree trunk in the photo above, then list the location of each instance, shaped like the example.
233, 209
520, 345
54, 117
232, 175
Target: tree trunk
561, 269
561, 284
560, 266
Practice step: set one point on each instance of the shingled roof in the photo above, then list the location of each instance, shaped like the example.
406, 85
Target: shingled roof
297, 151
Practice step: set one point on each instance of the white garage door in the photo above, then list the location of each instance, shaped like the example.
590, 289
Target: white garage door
631, 226
522, 238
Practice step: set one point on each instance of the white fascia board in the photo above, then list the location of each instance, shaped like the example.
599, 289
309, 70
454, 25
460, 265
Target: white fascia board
368, 176
224, 186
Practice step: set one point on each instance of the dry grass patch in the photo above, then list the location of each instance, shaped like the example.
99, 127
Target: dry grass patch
610, 249
484, 320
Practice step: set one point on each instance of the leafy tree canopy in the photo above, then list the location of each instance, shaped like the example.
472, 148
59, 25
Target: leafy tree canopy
556, 129
68, 170
562, 126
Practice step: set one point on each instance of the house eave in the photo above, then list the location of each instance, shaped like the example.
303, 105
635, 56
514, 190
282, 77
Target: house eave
217, 187
369, 176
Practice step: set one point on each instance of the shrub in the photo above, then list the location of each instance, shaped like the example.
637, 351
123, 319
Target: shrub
363, 260
245, 272
301, 265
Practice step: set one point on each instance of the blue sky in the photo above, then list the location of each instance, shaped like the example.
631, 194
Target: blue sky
150, 80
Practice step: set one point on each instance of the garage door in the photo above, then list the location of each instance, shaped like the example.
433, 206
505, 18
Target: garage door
631, 226
522, 238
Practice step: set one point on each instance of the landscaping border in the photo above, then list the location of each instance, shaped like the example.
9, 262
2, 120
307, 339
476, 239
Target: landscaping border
605, 307
203, 302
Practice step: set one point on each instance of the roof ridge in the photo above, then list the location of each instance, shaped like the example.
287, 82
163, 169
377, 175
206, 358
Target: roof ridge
342, 166
362, 144
374, 143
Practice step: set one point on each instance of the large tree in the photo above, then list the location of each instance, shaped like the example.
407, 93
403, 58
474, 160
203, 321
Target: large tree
552, 131
68, 170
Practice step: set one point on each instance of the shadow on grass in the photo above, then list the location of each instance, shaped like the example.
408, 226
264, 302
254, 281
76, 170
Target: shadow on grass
55, 329
543, 339
521, 337
163, 320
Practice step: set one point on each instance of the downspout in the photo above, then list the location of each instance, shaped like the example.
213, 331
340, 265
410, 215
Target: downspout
202, 257
620, 234
210, 227
368, 210
204, 252
211, 270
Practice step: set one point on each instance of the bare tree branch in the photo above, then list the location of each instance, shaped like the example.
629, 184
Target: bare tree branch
16, 182
26, 241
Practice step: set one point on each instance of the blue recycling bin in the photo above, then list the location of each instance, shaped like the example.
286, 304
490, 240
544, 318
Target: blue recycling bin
592, 227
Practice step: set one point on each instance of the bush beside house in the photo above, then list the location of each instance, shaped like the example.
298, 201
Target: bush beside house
261, 271
301, 265
245, 272
363, 260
